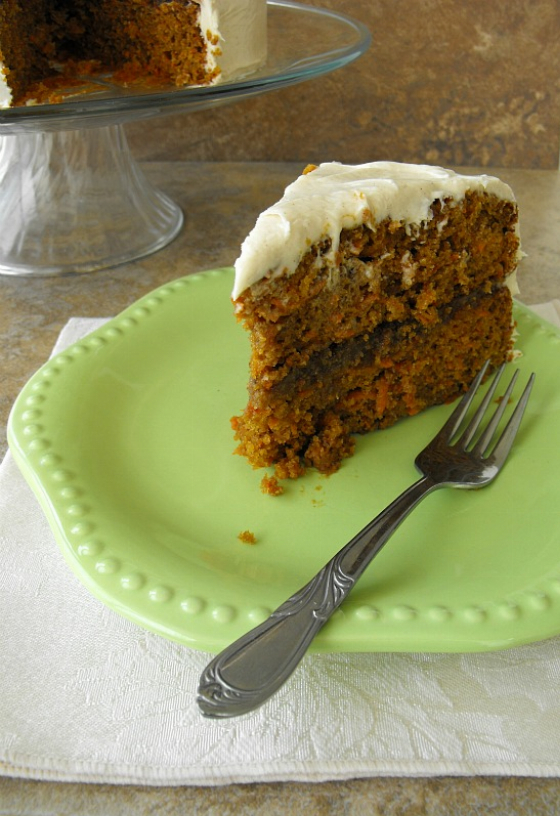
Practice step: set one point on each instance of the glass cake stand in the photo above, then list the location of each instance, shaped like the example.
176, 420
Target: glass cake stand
72, 198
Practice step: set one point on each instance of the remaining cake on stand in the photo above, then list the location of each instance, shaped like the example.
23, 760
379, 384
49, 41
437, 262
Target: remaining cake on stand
370, 293
45, 45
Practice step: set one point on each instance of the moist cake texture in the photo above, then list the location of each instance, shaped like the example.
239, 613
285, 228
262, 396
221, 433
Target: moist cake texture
370, 292
176, 42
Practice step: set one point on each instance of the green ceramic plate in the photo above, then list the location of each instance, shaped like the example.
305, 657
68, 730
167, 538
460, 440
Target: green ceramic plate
125, 439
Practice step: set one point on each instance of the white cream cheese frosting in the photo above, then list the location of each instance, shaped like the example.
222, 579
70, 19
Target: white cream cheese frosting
5, 92
335, 196
235, 34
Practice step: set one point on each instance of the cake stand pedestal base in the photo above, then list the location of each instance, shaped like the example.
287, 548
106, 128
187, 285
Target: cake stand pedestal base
75, 201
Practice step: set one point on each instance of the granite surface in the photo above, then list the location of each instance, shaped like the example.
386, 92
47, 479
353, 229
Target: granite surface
361, 797
450, 83
221, 201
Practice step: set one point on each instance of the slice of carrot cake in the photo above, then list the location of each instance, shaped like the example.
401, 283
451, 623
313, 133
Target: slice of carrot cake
370, 292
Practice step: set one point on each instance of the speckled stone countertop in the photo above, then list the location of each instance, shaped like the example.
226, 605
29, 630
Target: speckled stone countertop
221, 202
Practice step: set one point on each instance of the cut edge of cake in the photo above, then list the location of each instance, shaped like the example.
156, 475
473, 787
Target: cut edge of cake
195, 42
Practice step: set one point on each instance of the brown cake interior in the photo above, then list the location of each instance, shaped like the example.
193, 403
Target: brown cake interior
403, 320
23, 43
132, 39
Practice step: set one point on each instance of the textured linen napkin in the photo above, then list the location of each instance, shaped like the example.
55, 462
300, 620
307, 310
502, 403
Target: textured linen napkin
86, 695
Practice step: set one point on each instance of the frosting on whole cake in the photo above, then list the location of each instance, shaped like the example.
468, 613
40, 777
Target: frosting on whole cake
5, 92
239, 29
334, 196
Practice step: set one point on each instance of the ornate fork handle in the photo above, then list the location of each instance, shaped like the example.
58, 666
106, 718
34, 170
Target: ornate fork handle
250, 670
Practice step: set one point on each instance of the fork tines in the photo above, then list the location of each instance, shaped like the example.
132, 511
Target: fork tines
482, 445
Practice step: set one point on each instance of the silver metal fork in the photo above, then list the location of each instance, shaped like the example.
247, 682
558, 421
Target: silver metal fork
251, 670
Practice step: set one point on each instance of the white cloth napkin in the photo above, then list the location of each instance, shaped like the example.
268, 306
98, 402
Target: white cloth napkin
85, 695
